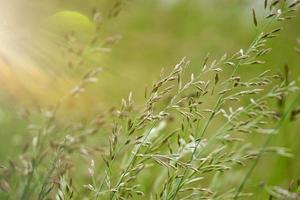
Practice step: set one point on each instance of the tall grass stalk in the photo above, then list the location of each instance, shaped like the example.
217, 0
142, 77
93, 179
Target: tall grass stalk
174, 146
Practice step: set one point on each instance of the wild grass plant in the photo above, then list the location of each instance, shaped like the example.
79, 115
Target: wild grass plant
191, 139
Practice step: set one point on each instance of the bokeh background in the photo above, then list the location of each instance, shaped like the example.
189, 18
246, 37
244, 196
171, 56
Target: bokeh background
46, 46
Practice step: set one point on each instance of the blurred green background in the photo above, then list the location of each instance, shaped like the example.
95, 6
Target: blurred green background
156, 34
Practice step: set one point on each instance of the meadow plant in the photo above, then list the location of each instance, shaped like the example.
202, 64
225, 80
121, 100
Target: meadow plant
191, 139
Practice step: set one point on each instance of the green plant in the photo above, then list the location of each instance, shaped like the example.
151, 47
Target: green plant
191, 134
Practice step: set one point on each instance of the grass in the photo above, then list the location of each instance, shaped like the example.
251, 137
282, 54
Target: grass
188, 139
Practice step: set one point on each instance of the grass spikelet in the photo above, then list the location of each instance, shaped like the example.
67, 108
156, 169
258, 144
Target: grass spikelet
193, 130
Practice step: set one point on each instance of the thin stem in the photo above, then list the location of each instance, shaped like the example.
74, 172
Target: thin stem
132, 160
211, 116
265, 144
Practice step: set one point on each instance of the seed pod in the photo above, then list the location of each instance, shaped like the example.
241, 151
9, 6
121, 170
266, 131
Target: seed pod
254, 17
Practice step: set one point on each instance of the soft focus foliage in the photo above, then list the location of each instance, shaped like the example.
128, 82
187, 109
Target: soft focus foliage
91, 107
